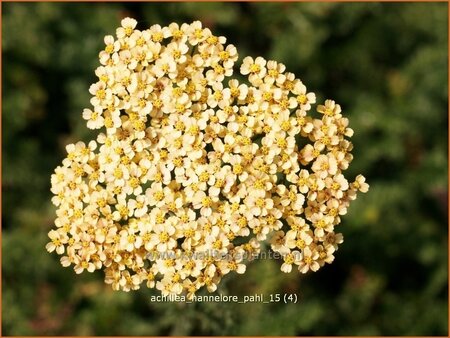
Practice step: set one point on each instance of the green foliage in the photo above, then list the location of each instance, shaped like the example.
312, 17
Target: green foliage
385, 63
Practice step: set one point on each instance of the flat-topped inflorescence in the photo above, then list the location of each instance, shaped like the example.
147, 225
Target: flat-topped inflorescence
194, 170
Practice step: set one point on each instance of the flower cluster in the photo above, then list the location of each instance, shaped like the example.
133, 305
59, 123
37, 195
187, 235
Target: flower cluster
194, 171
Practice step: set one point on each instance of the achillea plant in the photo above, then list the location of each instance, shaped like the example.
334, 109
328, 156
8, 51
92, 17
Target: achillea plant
193, 171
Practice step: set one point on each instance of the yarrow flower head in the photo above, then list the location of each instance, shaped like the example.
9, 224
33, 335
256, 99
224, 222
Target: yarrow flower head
193, 170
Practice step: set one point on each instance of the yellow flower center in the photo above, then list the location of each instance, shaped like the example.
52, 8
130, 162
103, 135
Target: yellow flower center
204, 177
212, 40
109, 48
300, 243
224, 55
158, 195
217, 244
189, 233
242, 222
160, 218
260, 202
273, 72
286, 125
177, 34
289, 259
118, 173
164, 237
255, 68
238, 169
100, 94
206, 202
157, 37
128, 31
302, 99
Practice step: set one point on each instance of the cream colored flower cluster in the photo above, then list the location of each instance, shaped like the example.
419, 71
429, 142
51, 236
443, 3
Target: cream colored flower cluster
193, 171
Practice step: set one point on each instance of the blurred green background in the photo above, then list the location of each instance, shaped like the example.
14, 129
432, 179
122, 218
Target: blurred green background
385, 63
